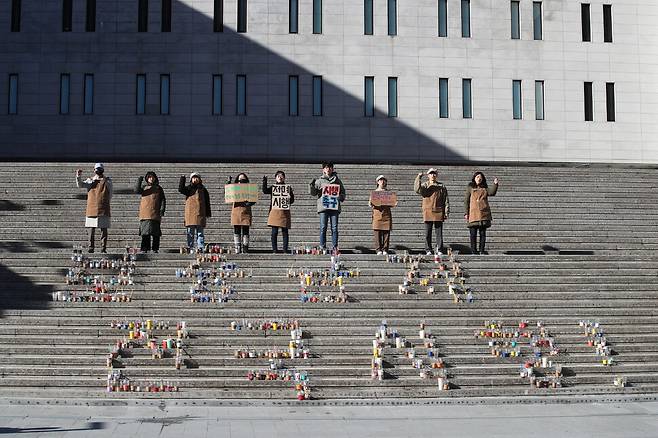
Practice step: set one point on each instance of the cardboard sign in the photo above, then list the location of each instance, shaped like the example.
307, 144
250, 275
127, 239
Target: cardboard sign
240, 193
281, 197
384, 198
330, 194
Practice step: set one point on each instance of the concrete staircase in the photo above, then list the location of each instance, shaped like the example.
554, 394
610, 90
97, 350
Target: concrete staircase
568, 244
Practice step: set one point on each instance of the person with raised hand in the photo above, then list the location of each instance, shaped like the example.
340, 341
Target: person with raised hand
435, 206
477, 210
99, 196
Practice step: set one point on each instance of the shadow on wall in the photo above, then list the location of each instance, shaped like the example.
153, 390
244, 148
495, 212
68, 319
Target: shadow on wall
19, 292
191, 54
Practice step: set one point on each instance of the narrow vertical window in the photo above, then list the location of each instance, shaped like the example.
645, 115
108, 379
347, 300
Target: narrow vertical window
589, 102
141, 94
392, 17
443, 98
466, 18
539, 100
165, 12
67, 15
164, 94
218, 16
143, 16
242, 16
90, 18
467, 103
13, 94
64, 93
317, 16
517, 110
516, 20
610, 101
15, 15
392, 97
369, 96
293, 96
537, 20
88, 103
367, 17
317, 95
217, 93
241, 95
443, 18
607, 23
293, 16
585, 17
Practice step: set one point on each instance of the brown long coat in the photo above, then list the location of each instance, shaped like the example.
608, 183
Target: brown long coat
476, 203
435, 205
278, 217
195, 209
98, 199
382, 219
150, 205
241, 214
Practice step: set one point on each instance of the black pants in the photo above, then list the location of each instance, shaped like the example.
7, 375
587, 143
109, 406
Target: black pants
92, 235
382, 239
438, 229
241, 230
474, 238
146, 243
275, 235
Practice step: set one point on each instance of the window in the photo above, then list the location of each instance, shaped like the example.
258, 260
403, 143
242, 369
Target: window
392, 18
585, 20
293, 96
317, 16
607, 23
517, 109
537, 20
165, 21
242, 16
90, 19
241, 95
64, 93
443, 98
516, 20
141, 94
467, 109
317, 95
589, 104
466, 18
218, 16
392, 97
88, 103
293, 16
367, 17
15, 16
143, 16
164, 94
539, 100
443, 18
610, 101
13, 94
67, 15
369, 96
217, 94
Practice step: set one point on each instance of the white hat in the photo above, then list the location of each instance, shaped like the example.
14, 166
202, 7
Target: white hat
380, 177
432, 170
193, 174
99, 166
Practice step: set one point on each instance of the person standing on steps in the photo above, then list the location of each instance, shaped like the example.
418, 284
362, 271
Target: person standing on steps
478, 212
99, 196
382, 220
241, 218
279, 215
330, 192
152, 206
436, 208
197, 210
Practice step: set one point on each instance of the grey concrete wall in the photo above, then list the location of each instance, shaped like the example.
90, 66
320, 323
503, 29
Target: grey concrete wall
267, 54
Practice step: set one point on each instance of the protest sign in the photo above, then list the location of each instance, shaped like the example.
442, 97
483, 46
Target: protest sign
240, 193
281, 197
384, 198
330, 194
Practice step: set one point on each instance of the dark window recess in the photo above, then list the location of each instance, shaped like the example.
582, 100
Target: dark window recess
610, 101
367, 17
589, 104
166, 16
218, 16
90, 20
16, 15
293, 16
317, 16
67, 15
143, 16
586, 24
242, 16
607, 23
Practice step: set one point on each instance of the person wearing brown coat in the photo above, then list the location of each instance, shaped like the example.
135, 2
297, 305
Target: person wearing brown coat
197, 209
436, 208
478, 211
241, 218
152, 206
382, 220
279, 218
99, 195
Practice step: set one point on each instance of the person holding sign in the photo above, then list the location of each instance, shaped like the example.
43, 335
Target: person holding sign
197, 209
241, 218
282, 198
436, 208
478, 212
330, 192
381, 201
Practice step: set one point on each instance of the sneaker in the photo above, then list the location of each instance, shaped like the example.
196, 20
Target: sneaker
428, 252
379, 252
155, 251
384, 252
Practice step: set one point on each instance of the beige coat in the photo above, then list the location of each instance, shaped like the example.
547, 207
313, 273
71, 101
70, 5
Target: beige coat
435, 205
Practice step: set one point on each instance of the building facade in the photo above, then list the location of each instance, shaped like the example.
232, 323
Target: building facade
349, 80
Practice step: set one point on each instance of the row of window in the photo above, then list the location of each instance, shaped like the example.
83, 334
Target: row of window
317, 94
368, 12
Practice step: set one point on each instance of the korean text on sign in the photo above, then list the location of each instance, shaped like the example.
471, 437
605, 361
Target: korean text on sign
330, 194
281, 197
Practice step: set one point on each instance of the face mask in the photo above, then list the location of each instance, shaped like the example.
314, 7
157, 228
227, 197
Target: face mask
99, 172
243, 181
